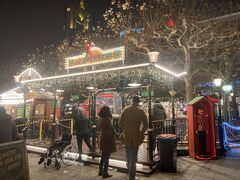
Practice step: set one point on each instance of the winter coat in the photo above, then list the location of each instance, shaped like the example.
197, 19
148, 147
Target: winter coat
8, 129
81, 125
158, 112
107, 135
134, 123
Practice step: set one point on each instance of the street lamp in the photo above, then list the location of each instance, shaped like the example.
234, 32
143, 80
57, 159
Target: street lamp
153, 56
227, 88
217, 82
17, 79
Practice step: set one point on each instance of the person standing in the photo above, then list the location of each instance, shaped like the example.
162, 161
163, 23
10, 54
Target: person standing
107, 140
134, 123
202, 127
82, 128
158, 117
8, 129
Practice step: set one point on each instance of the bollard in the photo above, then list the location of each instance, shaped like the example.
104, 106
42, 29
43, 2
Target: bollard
40, 131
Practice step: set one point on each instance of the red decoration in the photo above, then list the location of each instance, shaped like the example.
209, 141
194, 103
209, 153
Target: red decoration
170, 23
88, 49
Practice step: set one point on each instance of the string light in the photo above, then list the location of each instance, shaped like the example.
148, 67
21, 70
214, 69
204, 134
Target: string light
169, 71
85, 73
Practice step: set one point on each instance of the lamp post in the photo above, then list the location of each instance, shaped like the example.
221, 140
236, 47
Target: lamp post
227, 90
173, 93
217, 83
153, 57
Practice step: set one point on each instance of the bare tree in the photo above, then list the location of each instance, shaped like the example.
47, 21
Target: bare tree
179, 29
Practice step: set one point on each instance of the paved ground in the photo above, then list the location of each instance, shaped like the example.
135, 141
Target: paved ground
222, 169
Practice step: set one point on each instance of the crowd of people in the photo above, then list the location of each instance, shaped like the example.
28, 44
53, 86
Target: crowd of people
133, 122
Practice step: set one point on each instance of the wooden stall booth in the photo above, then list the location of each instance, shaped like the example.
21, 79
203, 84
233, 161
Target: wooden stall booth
202, 128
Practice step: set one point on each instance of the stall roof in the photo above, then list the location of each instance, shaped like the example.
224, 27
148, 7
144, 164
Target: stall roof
197, 99
116, 74
15, 95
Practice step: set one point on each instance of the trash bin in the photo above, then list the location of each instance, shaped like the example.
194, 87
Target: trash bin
167, 145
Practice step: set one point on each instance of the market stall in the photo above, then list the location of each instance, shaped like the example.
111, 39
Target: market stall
113, 85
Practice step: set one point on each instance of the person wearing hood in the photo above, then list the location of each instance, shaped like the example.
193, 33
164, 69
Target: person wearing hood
158, 116
82, 129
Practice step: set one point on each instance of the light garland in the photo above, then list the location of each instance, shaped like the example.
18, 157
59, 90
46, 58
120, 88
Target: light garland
169, 71
86, 73
14, 89
29, 70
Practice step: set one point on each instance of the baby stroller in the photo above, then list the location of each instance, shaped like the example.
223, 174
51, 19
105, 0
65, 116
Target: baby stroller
61, 151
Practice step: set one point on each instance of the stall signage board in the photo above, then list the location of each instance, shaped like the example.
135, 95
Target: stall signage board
14, 161
145, 93
96, 56
20, 111
31, 95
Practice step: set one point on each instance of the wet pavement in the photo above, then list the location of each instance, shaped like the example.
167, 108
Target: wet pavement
221, 169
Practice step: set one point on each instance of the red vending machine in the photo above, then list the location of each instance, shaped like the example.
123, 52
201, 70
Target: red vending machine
201, 128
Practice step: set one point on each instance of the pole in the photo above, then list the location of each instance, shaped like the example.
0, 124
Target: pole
220, 126
173, 116
150, 126
235, 108
54, 118
24, 106
225, 106
40, 130
71, 126
94, 124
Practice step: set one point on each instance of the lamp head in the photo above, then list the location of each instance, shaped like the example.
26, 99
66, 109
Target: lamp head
217, 82
153, 56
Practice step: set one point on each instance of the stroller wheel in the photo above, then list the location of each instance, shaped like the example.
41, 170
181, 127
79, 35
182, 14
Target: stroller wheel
57, 165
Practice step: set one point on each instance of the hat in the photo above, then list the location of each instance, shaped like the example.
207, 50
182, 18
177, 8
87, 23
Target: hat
136, 99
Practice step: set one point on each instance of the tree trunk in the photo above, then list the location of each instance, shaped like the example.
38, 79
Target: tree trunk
188, 89
188, 77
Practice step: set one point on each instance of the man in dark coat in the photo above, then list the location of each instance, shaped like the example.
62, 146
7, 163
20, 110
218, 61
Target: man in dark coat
8, 129
82, 128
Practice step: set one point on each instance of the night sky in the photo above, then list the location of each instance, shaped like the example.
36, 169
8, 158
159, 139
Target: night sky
30, 24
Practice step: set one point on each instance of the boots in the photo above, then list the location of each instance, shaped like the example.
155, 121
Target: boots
100, 172
105, 171
41, 160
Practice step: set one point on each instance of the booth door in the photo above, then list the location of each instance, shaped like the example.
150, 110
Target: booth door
40, 110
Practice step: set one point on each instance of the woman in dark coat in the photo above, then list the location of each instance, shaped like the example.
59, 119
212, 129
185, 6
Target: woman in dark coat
107, 140
82, 127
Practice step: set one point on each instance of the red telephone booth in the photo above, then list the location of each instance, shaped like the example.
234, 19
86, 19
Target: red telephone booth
201, 128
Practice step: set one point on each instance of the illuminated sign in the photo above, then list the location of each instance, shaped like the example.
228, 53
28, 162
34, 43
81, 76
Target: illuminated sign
96, 56
106, 95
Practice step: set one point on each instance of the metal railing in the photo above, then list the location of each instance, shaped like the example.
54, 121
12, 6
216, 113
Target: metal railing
167, 127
